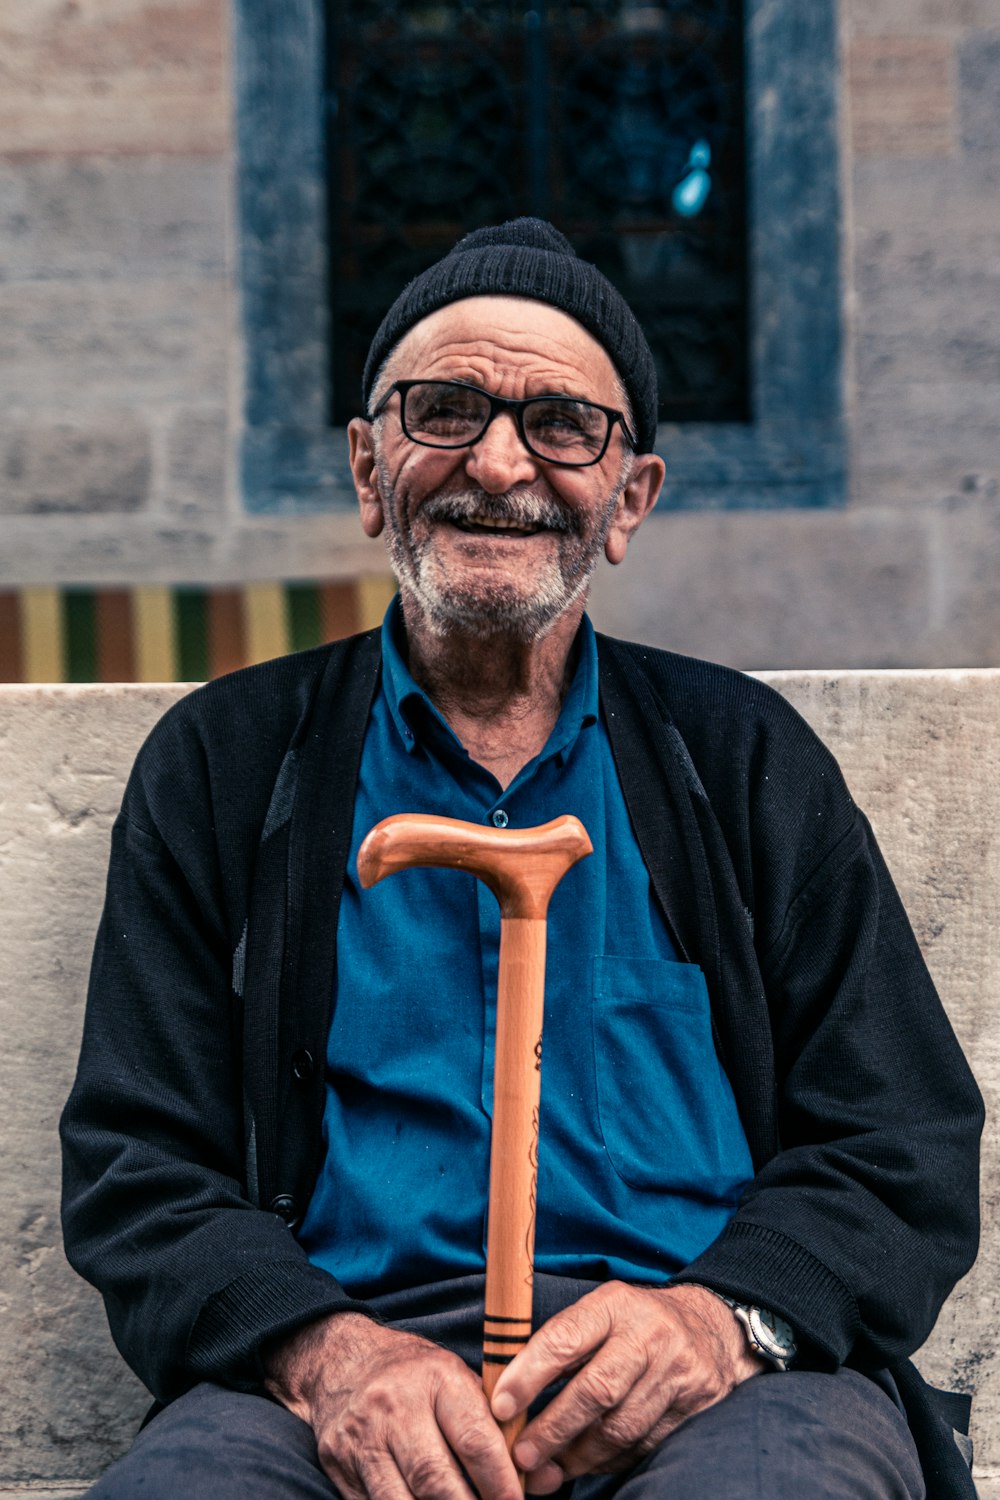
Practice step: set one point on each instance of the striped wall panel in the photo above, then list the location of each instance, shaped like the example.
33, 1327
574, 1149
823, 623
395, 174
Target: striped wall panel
174, 634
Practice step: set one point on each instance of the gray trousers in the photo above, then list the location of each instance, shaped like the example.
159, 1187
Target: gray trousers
802, 1434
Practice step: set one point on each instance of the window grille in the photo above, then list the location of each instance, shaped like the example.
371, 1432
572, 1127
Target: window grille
619, 120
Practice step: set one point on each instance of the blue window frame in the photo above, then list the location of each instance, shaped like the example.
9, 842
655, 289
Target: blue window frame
791, 450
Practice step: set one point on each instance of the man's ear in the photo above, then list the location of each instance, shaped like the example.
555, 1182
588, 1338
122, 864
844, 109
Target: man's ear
642, 489
362, 457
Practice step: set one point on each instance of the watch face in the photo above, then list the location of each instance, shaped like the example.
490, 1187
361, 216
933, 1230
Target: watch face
772, 1332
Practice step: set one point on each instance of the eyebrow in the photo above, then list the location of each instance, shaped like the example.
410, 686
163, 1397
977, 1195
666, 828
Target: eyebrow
475, 385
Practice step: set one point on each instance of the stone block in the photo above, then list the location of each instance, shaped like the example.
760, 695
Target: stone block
945, 351
918, 443
926, 253
77, 348
132, 219
773, 588
964, 541
114, 76
870, 588
918, 16
214, 548
930, 203
63, 467
49, 1492
926, 283
69, 1404
902, 96
926, 313
198, 453
979, 89
31, 1491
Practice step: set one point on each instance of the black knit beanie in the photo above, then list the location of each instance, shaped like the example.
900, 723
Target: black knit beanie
529, 258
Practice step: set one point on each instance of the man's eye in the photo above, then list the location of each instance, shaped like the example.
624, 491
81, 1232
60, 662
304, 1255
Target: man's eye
565, 420
556, 416
443, 410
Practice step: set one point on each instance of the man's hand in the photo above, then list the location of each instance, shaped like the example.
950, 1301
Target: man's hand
394, 1415
641, 1359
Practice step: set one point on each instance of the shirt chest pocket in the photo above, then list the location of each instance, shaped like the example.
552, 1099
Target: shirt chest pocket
667, 1114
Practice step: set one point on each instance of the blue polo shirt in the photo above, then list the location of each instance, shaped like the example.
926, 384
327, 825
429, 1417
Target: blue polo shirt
642, 1158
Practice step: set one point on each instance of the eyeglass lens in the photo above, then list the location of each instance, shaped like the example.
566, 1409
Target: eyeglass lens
452, 416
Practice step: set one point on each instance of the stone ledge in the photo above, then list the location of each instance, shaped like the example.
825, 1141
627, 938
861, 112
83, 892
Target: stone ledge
921, 752
31, 1490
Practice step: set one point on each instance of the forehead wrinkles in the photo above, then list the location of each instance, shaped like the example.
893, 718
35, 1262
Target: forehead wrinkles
512, 347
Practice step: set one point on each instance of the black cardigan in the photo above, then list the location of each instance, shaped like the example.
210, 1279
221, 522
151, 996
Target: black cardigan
192, 1137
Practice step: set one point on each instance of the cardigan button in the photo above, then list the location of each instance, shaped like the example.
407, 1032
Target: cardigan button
284, 1206
302, 1065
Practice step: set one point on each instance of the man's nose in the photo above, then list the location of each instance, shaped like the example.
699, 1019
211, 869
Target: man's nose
498, 460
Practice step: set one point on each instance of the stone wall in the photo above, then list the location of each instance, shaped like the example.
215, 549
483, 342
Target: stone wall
120, 355
120, 358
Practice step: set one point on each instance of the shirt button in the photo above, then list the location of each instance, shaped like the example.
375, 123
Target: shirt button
284, 1206
500, 819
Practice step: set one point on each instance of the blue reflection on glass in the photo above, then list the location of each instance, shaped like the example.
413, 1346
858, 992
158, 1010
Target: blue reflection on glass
690, 194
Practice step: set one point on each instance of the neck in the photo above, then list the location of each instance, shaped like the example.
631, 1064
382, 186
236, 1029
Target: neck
500, 695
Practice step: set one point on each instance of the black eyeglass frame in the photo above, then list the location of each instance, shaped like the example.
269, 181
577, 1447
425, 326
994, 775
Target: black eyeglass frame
500, 404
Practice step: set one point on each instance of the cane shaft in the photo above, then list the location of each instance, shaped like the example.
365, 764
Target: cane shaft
510, 1231
522, 867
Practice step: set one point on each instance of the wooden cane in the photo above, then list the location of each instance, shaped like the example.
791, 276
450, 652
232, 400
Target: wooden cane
522, 867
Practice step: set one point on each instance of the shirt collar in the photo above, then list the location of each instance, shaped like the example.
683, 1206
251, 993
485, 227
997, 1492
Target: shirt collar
418, 721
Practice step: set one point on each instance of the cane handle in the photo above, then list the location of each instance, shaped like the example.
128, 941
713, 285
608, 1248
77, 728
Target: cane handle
521, 866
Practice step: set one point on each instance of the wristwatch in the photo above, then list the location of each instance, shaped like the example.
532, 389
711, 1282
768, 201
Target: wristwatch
768, 1335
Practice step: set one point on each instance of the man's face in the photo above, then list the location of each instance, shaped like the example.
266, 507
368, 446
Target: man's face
490, 539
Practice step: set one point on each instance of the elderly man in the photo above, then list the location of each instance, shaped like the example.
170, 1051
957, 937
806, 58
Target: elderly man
757, 1170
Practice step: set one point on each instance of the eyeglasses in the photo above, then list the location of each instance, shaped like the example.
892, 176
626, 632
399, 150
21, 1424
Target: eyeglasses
452, 414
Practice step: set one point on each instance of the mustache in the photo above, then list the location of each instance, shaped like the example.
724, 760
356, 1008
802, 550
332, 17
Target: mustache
521, 509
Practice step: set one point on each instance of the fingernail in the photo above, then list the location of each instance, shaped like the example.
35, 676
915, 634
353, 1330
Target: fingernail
504, 1407
526, 1456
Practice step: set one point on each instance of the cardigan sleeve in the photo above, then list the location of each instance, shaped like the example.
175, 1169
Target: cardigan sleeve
859, 1225
156, 1211
861, 1112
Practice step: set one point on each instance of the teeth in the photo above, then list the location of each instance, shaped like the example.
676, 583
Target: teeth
499, 525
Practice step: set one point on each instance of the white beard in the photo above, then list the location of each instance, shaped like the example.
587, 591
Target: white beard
495, 607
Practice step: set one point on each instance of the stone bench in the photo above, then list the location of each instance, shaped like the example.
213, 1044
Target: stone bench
921, 751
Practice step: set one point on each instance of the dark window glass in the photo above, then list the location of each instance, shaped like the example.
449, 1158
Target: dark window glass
621, 122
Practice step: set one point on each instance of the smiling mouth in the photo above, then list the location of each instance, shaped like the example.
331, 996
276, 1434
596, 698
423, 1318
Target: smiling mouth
491, 526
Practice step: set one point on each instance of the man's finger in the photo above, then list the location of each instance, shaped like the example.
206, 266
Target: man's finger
622, 1436
477, 1443
597, 1394
377, 1478
545, 1480
559, 1347
433, 1474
